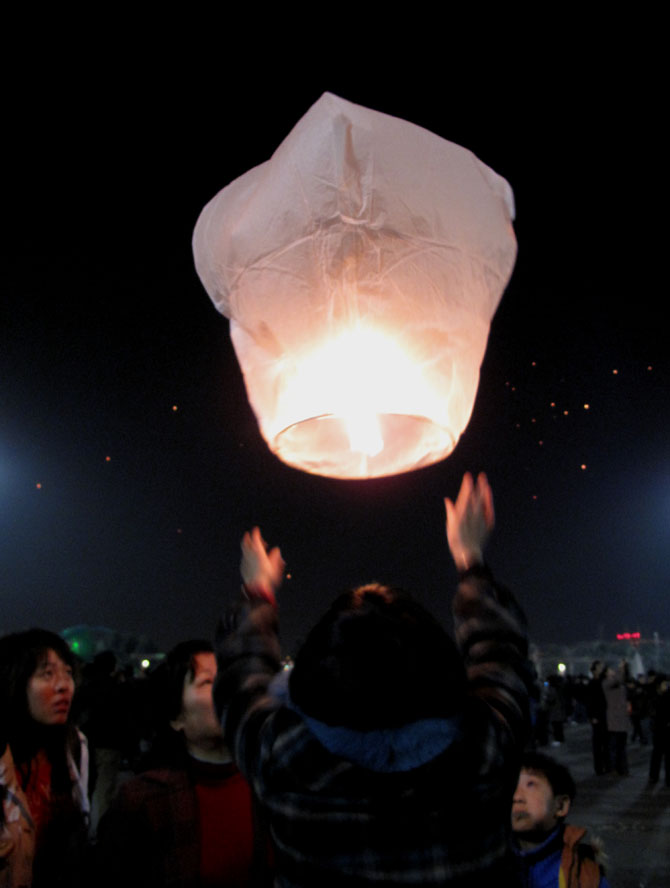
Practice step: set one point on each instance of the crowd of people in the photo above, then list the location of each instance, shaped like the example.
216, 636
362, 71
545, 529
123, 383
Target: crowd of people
390, 752
619, 707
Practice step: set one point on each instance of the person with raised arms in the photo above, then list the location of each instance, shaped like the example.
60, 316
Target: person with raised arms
393, 753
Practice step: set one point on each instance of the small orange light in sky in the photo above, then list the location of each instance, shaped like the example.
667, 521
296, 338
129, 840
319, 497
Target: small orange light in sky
174, 408
108, 459
565, 413
587, 406
38, 486
583, 466
615, 372
553, 404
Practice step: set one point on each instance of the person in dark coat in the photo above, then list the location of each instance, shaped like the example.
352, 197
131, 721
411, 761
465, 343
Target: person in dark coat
596, 707
557, 709
660, 730
618, 716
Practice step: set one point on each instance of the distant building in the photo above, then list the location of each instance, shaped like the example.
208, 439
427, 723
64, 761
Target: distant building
641, 653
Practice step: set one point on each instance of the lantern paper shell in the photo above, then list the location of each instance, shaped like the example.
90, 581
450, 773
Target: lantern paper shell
360, 268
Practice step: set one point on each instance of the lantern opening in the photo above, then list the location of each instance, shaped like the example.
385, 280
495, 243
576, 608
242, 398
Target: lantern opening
372, 387
322, 445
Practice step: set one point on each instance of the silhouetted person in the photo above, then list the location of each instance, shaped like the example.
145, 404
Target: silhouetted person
618, 716
392, 755
105, 719
660, 730
596, 706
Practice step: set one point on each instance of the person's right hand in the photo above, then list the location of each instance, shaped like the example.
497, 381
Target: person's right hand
470, 521
260, 567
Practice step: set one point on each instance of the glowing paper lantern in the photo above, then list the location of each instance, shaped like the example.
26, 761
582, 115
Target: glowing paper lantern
360, 268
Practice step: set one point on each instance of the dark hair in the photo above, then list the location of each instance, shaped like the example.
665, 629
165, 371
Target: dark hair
377, 659
104, 663
167, 691
20, 655
556, 774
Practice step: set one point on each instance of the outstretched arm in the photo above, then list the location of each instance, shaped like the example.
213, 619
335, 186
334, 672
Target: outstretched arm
490, 627
247, 648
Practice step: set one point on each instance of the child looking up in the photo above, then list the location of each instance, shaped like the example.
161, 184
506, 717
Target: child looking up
550, 852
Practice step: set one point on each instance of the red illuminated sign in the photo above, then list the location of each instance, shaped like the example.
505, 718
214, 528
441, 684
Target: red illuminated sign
627, 636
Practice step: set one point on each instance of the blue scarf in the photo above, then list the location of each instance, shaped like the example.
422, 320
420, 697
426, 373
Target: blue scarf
385, 750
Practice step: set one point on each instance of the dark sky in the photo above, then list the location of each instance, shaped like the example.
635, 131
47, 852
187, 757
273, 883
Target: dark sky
117, 509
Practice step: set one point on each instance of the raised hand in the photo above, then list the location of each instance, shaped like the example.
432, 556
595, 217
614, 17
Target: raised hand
260, 568
470, 521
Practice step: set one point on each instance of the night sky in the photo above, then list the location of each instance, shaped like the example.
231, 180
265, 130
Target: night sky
130, 461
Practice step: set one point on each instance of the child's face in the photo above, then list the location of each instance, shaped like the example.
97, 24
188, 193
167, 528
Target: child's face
534, 806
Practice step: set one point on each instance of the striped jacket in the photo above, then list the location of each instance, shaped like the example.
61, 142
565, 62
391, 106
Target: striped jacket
433, 808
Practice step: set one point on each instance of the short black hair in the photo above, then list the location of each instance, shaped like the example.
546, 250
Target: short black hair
377, 659
556, 774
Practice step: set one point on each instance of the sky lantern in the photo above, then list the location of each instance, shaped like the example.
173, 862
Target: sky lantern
360, 268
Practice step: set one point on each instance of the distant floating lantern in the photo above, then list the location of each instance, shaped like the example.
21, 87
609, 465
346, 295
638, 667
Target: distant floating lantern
360, 268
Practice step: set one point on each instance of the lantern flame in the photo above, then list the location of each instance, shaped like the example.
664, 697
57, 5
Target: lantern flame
364, 433
359, 375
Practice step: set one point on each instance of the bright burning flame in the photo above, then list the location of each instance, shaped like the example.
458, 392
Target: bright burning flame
359, 375
364, 433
